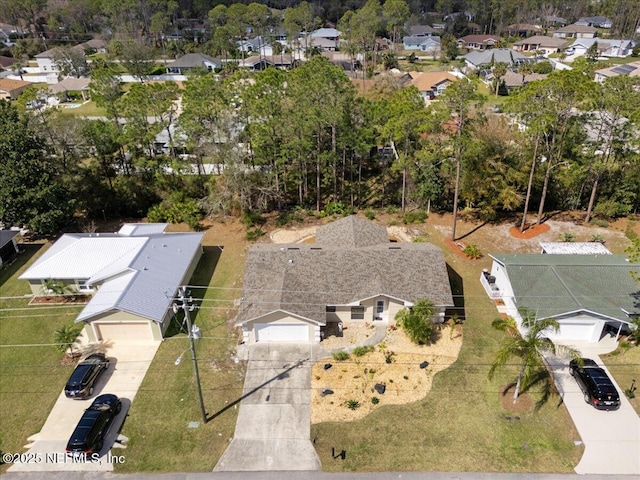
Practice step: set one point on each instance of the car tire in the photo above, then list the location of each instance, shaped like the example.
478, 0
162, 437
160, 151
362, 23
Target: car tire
118, 407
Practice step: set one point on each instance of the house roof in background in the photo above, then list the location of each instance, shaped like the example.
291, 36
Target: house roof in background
493, 55
194, 60
555, 285
543, 41
9, 85
424, 81
592, 248
421, 30
6, 236
351, 260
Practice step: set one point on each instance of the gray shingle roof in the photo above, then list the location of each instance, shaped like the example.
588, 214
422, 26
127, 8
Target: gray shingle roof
553, 285
351, 260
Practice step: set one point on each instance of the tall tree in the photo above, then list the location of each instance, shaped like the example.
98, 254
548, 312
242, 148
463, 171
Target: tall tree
396, 13
458, 102
32, 187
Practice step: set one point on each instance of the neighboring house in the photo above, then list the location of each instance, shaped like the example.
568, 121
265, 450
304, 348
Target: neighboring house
95, 45
600, 22
431, 84
6, 62
541, 44
589, 295
576, 31
555, 20
429, 45
46, 61
191, 61
327, 39
421, 31
631, 69
606, 47
284, 61
522, 30
8, 245
478, 42
132, 277
480, 59
63, 89
295, 292
513, 79
255, 45
11, 89
586, 248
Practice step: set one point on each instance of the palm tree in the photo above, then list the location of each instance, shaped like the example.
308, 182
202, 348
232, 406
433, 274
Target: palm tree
530, 348
55, 286
65, 336
499, 71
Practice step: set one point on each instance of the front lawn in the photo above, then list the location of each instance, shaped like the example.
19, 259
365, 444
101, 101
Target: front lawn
623, 365
31, 375
460, 425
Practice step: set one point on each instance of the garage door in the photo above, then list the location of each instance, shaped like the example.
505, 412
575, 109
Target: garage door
124, 332
576, 331
281, 332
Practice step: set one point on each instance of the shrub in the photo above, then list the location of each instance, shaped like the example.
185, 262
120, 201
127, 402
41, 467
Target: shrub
567, 237
337, 208
610, 208
472, 251
176, 209
599, 223
370, 214
596, 237
391, 209
360, 351
340, 356
353, 404
375, 400
284, 218
417, 216
254, 234
417, 322
252, 219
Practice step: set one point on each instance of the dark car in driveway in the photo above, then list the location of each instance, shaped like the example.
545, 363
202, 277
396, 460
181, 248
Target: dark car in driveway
88, 437
84, 377
597, 387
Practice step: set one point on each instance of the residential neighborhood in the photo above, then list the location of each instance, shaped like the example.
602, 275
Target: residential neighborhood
257, 237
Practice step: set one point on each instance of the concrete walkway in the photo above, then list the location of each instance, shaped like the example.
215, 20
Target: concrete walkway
611, 439
129, 364
274, 422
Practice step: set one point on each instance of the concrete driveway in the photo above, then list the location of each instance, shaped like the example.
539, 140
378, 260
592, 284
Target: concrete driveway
611, 439
129, 364
274, 423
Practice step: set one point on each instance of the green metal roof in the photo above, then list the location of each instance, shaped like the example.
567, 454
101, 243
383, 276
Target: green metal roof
555, 285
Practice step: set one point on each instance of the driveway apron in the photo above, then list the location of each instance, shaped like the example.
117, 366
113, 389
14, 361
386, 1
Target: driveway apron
611, 439
273, 426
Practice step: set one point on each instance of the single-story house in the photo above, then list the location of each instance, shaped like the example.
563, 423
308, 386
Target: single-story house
11, 89
296, 292
576, 31
421, 31
599, 21
430, 45
192, 61
70, 84
431, 84
555, 20
606, 47
478, 42
257, 45
325, 38
589, 295
132, 277
573, 248
513, 79
96, 45
6, 62
480, 59
632, 69
541, 43
254, 63
522, 30
8, 245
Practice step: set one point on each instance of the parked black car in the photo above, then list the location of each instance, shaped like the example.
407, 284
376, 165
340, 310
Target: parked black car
88, 437
85, 375
596, 385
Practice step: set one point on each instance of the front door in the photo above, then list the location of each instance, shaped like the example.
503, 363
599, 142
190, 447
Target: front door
380, 314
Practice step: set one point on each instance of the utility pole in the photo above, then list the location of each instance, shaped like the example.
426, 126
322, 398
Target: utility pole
186, 305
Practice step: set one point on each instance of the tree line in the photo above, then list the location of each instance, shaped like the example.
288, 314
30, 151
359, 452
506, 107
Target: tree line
311, 139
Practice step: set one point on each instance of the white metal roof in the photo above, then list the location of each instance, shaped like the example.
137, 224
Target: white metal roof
575, 248
138, 229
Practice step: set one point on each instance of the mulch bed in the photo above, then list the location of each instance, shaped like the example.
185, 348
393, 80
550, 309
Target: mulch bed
531, 231
455, 248
523, 404
60, 300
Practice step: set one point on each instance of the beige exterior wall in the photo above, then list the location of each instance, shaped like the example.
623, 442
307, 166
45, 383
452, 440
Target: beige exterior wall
116, 317
391, 308
38, 288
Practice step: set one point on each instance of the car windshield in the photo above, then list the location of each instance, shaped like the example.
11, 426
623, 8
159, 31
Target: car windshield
78, 374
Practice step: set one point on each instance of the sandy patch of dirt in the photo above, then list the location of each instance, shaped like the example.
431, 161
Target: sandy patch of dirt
307, 234
355, 379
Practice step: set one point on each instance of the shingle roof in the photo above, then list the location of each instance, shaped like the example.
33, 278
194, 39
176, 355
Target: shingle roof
9, 85
543, 41
428, 80
193, 60
6, 236
351, 260
494, 55
554, 285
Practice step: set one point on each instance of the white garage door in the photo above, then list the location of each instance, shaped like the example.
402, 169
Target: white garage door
576, 331
281, 332
124, 332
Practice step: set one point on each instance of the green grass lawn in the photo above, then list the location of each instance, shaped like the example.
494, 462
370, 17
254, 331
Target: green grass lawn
623, 365
460, 425
89, 109
31, 375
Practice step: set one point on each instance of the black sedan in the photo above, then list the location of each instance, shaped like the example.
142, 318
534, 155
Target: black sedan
88, 437
84, 377
595, 384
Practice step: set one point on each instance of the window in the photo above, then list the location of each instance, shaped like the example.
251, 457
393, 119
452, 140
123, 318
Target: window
379, 307
83, 287
357, 313
330, 309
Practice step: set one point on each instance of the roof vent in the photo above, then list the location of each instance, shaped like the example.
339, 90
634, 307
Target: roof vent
291, 260
164, 245
395, 248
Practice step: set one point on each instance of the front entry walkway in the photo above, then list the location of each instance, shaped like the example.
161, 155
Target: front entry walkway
273, 427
